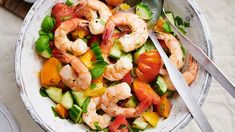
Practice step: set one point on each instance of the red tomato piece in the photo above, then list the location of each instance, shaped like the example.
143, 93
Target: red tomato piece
62, 12
149, 64
93, 39
117, 123
127, 78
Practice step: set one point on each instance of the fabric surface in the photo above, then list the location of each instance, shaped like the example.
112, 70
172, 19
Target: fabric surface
219, 106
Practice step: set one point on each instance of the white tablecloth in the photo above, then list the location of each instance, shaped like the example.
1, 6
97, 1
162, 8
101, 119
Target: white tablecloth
219, 106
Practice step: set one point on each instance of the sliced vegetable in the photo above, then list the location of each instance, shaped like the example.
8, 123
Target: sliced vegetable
61, 111
128, 56
116, 51
159, 24
67, 100
95, 92
87, 59
125, 6
166, 27
138, 53
143, 11
79, 97
171, 17
54, 93
132, 102
69, 2
98, 69
164, 107
149, 64
49, 74
144, 91
47, 24
75, 113
148, 45
42, 46
119, 124
160, 86
139, 123
97, 51
80, 32
151, 117
128, 79
85, 104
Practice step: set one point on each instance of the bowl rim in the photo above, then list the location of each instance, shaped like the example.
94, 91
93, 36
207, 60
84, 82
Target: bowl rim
28, 105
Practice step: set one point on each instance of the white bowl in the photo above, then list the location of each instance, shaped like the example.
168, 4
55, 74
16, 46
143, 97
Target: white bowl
28, 65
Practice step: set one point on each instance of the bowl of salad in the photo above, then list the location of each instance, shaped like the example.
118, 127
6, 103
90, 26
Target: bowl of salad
88, 65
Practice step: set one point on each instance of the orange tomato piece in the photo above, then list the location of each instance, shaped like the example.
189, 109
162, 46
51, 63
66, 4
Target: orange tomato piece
164, 107
61, 111
49, 74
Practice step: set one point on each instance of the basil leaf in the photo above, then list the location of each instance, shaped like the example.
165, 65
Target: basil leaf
47, 24
69, 3
42, 43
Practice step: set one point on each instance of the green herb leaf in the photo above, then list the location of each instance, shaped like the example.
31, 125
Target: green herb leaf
187, 24
42, 43
167, 28
51, 36
179, 21
47, 24
85, 105
93, 85
69, 3
96, 124
42, 92
182, 29
42, 33
54, 111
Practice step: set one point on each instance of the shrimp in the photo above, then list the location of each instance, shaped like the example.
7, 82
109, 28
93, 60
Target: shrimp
76, 76
96, 25
92, 119
78, 47
173, 45
128, 42
119, 92
189, 75
117, 71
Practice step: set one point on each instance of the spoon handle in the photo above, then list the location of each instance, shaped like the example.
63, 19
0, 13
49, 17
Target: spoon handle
204, 60
182, 88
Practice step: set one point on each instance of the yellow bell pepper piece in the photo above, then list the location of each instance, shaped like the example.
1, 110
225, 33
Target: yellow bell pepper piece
98, 80
95, 92
124, 6
80, 33
87, 57
151, 117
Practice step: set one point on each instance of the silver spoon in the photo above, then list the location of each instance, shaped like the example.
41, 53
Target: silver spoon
175, 76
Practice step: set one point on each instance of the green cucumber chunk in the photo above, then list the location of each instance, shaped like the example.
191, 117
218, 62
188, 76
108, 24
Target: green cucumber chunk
54, 93
160, 86
171, 17
67, 100
143, 11
75, 113
127, 56
116, 51
139, 123
79, 97
138, 52
132, 102
148, 45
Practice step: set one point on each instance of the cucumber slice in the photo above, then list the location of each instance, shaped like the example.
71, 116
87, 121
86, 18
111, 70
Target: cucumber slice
67, 100
79, 97
116, 51
139, 123
131, 103
75, 113
128, 57
143, 11
138, 53
54, 93
149, 45
171, 17
160, 86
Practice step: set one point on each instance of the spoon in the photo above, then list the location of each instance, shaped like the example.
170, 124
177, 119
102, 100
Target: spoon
176, 77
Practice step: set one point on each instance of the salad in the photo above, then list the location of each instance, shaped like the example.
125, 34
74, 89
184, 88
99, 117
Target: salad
102, 70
